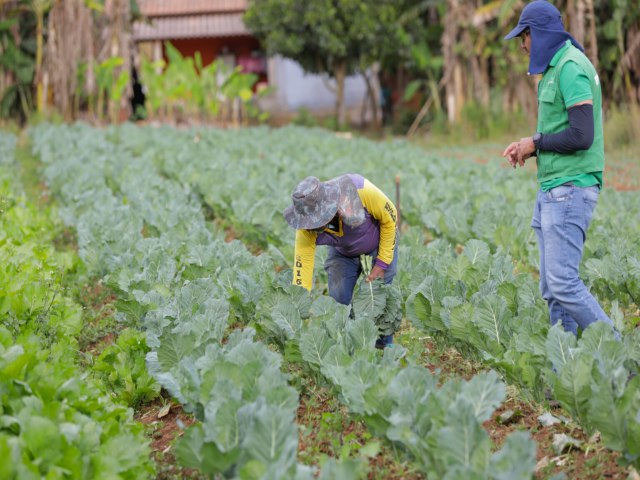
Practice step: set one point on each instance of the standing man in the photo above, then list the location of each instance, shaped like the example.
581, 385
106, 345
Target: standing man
569, 147
353, 217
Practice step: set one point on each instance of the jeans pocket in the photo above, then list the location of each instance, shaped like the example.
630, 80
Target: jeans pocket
560, 193
591, 194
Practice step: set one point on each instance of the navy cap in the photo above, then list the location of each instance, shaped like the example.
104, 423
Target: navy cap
539, 13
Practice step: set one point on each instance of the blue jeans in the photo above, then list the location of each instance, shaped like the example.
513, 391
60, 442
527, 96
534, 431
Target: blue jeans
343, 274
561, 219
344, 271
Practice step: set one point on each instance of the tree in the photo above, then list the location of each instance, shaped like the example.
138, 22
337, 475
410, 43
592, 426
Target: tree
17, 53
116, 32
333, 37
40, 8
70, 43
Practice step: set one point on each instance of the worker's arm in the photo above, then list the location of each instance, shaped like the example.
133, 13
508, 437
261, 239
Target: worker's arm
579, 135
578, 98
304, 257
384, 211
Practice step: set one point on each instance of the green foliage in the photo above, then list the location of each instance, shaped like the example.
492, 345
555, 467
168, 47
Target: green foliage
232, 383
400, 35
122, 368
588, 375
56, 419
304, 118
186, 284
17, 59
486, 122
417, 47
617, 18
31, 291
476, 298
622, 125
112, 82
321, 35
185, 85
378, 302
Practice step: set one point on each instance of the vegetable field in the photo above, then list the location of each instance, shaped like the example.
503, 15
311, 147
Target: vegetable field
182, 231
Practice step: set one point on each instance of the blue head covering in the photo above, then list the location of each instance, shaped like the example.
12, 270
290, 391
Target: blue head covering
547, 33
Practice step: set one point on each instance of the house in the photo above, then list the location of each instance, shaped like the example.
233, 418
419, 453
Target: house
215, 29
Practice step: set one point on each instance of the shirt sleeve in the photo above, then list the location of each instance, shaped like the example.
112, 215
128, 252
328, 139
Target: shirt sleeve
574, 84
579, 135
384, 211
304, 257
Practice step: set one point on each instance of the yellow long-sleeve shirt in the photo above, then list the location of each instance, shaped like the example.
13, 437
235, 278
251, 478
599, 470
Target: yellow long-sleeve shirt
367, 220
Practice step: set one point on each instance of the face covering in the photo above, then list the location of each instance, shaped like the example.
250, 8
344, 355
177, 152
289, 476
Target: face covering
547, 34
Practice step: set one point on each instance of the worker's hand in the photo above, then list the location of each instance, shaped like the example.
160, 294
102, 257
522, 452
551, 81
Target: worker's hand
376, 272
526, 148
511, 154
517, 152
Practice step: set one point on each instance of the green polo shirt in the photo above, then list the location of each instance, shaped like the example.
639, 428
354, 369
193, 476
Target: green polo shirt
575, 87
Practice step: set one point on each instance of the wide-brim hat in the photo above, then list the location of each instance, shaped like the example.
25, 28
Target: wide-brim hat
314, 204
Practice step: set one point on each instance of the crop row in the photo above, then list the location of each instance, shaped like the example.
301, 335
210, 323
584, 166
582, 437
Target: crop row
245, 178
56, 419
146, 233
495, 312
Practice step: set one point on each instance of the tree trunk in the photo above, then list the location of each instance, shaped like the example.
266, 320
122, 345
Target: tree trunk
592, 51
479, 78
39, 48
631, 61
372, 98
340, 73
459, 91
365, 103
69, 42
118, 42
575, 11
449, 37
376, 95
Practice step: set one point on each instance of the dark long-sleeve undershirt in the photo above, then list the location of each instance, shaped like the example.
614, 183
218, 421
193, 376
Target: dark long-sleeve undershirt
579, 135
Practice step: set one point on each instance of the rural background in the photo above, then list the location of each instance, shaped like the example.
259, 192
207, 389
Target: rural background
148, 328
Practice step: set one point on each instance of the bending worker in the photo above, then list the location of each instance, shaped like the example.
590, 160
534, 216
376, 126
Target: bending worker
352, 217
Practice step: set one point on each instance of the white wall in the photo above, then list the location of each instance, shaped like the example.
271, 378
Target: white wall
296, 89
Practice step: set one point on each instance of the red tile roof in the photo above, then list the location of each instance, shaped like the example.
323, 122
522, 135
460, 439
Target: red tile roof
163, 8
191, 26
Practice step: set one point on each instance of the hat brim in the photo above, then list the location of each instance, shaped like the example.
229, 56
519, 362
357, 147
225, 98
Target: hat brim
516, 31
318, 218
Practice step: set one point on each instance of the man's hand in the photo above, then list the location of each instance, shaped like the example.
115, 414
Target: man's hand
517, 152
511, 153
376, 272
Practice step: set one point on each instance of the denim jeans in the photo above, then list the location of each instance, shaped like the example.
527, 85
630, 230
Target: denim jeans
561, 219
343, 274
